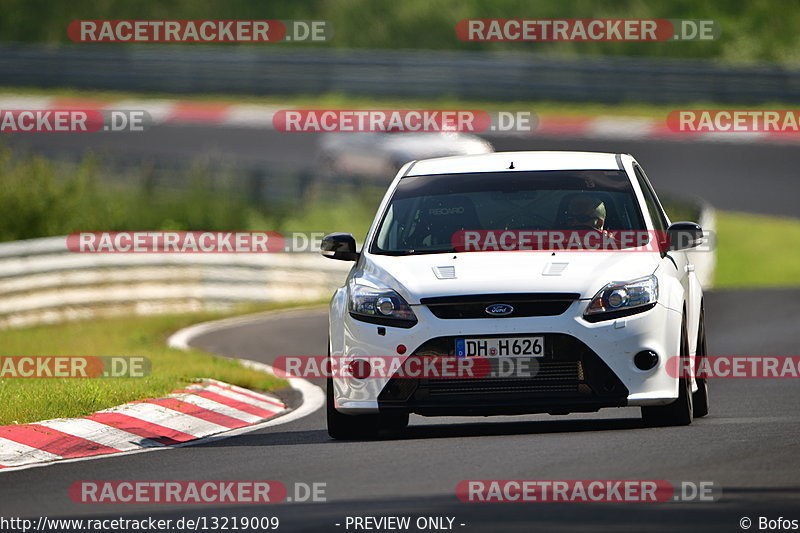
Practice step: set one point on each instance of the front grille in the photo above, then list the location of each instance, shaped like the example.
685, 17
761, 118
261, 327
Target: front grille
568, 372
550, 377
524, 304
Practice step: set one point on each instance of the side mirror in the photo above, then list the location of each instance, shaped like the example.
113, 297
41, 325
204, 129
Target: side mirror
684, 235
341, 246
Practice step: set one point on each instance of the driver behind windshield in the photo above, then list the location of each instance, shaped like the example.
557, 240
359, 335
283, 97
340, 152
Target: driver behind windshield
586, 213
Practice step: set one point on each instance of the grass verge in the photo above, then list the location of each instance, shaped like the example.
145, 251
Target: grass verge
757, 251
30, 400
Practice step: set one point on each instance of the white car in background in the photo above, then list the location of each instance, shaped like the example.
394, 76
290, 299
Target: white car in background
601, 325
381, 153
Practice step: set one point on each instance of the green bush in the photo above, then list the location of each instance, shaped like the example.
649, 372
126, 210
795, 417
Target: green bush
762, 30
41, 198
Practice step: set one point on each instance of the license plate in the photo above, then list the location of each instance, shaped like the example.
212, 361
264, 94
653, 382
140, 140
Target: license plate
501, 347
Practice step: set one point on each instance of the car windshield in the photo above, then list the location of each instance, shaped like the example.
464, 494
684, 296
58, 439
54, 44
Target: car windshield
426, 211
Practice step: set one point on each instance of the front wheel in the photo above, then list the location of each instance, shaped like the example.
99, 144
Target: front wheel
700, 397
348, 427
681, 411
393, 421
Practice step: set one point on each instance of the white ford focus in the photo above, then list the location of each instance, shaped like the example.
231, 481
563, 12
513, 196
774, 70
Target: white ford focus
512, 258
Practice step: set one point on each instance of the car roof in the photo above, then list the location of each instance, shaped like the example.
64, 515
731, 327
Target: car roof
522, 161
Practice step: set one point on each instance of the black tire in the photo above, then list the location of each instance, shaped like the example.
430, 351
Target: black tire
681, 411
700, 397
348, 427
394, 420
358, 427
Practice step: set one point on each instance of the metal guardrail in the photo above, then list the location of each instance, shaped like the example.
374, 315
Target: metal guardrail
404, 73
42, 282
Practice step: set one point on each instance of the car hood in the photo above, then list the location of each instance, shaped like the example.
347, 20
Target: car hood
428, 275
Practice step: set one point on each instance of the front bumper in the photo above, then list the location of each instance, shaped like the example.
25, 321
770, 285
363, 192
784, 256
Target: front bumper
586, 366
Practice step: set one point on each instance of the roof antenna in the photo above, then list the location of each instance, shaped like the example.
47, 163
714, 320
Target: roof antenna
511, 167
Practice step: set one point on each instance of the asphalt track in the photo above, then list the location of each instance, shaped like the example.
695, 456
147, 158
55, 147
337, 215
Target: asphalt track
757, 177
748, 444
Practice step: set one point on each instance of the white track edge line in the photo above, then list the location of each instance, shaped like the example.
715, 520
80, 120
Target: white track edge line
313, 398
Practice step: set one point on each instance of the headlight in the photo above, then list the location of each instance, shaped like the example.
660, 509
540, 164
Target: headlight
622, 299
380, 306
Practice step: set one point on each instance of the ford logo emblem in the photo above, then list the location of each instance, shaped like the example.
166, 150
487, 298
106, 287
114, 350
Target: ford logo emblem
499, 310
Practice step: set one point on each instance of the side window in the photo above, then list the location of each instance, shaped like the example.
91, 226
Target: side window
653, 205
